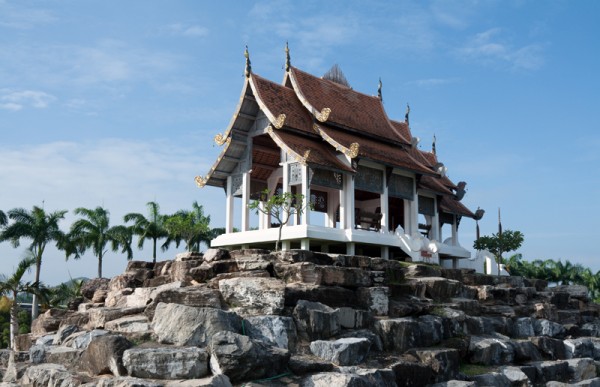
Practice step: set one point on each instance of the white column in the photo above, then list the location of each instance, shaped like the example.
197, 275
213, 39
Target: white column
333, 202
245, 201
414, 214
435, 219
305, 244
305, 217
454, 231
228, 207
262, 223
286, 183
350, 202
350, 248
343, 199
383, 204
385, 252
407, 215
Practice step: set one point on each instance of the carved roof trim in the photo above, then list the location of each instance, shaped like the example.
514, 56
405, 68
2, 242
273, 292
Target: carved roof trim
278, 121
202, 181
221, 138
351, 151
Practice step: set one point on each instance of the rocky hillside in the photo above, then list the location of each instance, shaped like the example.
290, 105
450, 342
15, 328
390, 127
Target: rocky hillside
254, 317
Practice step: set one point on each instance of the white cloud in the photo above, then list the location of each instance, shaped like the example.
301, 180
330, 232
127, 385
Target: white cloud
121, 175
11, 106
432, 82
12, 16
180, 29
107, 63
492, 47
18, 99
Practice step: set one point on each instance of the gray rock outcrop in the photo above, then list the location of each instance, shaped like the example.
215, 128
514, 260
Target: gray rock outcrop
186, 325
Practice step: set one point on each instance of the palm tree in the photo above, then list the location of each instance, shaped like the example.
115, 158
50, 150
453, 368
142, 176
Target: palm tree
94, 231
13, 285
191, 227
63, 294
3, 219
42, 228
152, 228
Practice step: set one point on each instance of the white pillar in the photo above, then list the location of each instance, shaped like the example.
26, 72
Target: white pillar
435, 227
454, 231
350, 202
228, 207
350, 248
414, 214
286, 185
383, 204
385, 252
305, 217
262, 217
407, 215
332, 205
245, 201
305, 244
343, 199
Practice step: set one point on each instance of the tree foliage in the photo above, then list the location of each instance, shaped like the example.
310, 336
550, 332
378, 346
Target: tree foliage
500, 243
41, 228
93, 231
280, 207
13, 285
558, 272
191, 227
151, 227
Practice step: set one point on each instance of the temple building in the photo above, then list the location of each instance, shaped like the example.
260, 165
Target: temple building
373, 191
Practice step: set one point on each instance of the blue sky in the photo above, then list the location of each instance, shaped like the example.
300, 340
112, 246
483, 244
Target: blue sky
116, 103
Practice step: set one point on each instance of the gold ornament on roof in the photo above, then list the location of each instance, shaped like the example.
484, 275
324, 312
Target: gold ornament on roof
220, 139
324, 114
279, 121
305, 156
200, 182
353, 150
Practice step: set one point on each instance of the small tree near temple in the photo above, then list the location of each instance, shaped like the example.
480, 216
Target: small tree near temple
501, 242
281, 207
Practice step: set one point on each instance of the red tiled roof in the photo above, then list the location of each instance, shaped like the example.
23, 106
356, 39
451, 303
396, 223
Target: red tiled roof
283, 100
452, 206
403, 130
434, 184
393, 155
320, 154
350, 109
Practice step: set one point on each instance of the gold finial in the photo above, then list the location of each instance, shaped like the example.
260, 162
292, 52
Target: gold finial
288, 62
433, 145
248, 64
407, 113
379, 90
